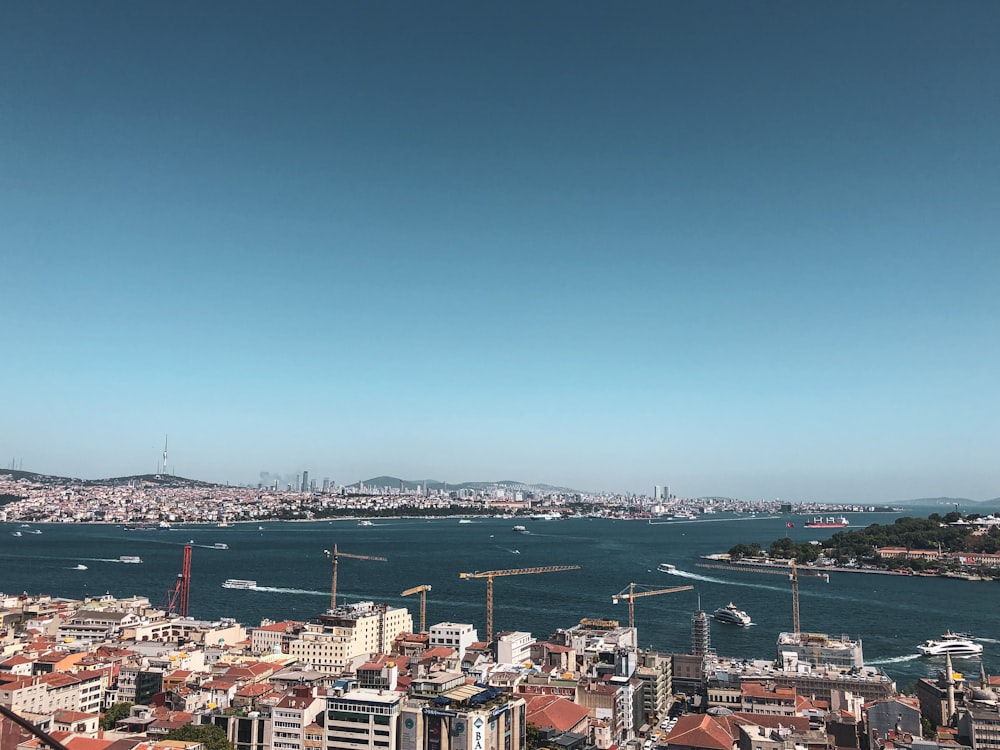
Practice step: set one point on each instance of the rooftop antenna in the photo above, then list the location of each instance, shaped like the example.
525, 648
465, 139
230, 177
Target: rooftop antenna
164, 455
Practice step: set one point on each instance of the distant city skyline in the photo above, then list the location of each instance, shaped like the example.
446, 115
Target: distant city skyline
746, 250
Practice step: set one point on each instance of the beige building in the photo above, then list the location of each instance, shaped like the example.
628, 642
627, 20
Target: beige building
333, 642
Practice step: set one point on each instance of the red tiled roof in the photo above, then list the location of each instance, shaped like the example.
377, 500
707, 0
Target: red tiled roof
554, 711
702, 731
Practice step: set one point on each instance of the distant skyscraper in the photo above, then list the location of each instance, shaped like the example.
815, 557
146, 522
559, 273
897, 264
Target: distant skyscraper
657, 493
305, 481
701, 634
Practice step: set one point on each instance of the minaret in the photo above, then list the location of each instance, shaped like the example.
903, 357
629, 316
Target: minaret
950, 682
164, 470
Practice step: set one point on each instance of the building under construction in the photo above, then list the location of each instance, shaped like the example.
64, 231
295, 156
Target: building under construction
818, 650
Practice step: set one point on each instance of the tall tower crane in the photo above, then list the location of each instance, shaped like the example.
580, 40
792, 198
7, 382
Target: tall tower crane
793, 574
178, 596
630, 594
422, 590
489, 575
334, 555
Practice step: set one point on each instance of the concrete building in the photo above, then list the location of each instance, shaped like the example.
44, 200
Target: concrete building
363, 719
334, 642
514, 647
818, 650
456, 635
497, 724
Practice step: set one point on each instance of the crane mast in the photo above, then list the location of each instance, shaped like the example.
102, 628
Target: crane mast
334, 555
489, 575
422, 590
793, 572
630, 594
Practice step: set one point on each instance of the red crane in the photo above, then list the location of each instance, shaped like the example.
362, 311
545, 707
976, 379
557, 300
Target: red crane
177, 598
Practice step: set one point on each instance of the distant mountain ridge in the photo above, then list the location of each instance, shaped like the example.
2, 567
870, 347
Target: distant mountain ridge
952, 501
164, 480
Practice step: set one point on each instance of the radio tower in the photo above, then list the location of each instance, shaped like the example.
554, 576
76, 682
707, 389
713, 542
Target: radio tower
164, 472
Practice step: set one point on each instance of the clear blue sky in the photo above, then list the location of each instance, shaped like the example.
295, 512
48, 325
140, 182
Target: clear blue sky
747, 249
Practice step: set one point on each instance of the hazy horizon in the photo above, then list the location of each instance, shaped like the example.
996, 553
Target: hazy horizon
745, 250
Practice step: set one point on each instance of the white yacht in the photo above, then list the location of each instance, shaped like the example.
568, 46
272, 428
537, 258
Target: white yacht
134, 559
365, 523
955, 644
731, 615
220, 545
666, 568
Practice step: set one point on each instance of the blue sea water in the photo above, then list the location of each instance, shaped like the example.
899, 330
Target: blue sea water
891, 614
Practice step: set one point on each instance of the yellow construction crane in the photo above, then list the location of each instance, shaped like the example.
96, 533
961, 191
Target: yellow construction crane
793, 572
630, 594
334, 555
489, 575
422, 590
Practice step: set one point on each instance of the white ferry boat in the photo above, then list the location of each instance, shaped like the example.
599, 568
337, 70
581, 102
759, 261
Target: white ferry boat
666, 568
220, 545
521, 529
950, 643
134, 559
365, 523
239, 583
731, 615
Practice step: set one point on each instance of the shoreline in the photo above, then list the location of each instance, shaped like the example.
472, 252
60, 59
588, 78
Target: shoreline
720, 562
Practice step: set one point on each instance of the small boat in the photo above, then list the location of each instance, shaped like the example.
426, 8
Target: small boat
515, 552
465, 520
666, 568
134, 559
521, 529
16, 533
956, 644
220, 545
365, 523
239, 583
80, 567
35, 531
163, 526
260, 528
731, 615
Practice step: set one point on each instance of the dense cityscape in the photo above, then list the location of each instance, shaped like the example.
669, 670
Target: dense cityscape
129, 673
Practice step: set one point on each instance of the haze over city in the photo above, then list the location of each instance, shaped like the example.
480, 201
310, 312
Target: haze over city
737, 249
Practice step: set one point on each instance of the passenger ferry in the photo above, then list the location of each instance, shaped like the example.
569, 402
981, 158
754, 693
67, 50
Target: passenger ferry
238, 583
731, 615
135, 559
955, 644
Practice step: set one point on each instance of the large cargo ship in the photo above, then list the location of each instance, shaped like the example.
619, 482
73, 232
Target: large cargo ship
827, 523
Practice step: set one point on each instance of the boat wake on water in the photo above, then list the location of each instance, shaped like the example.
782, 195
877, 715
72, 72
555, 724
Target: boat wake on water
986, 640
893, 659
723, 581
278, 590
